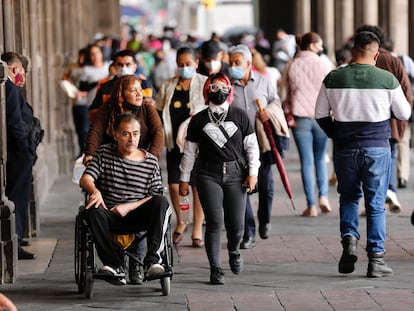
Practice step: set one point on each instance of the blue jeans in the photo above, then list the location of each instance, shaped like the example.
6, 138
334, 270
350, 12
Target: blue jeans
363, 171
265, 190
312, 143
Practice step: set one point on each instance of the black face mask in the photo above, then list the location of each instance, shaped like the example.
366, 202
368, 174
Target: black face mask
128, 106
217, 98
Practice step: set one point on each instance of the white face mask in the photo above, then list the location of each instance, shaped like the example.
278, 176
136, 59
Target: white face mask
213, 66
123, 71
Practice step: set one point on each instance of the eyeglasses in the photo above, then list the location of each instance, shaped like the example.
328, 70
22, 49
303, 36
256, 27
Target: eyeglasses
214, 88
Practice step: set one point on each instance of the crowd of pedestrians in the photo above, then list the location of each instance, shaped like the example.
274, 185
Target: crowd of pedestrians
199, 100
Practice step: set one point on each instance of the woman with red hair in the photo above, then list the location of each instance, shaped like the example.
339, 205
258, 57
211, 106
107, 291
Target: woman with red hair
223, 140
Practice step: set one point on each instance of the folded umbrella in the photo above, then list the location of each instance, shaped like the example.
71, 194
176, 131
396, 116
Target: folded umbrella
268, 128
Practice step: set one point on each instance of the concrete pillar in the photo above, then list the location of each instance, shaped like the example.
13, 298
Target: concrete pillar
411, 27
302, 16
344, 21
326, 24
8, 237
399, 25
366, 12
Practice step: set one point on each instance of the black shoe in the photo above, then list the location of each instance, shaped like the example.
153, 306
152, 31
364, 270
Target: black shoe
236, 262
25, 243
349, 254
135, 274
264, 230
248, 243
402, 183
22, 254
216, 276
377, 266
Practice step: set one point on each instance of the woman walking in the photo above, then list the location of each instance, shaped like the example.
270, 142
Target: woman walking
225, 143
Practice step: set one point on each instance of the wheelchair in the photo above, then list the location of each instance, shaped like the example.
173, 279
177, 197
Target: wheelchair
86, 270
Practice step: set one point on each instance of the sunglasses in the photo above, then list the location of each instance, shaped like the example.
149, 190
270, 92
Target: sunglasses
214, 88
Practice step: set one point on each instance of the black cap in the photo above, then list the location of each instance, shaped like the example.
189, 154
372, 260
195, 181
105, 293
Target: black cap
210, 49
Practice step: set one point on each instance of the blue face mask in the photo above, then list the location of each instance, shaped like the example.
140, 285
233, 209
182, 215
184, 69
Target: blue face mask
186, 72
236, 72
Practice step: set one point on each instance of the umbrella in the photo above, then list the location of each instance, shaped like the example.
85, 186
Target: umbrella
268, 128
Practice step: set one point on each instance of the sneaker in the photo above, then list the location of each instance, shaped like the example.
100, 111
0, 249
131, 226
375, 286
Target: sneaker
116, 276
216, 276
393, 203
155, 269
236, 262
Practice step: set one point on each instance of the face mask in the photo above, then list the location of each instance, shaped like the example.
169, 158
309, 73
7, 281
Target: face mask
128, 106
123, 71
18, 78
213, 66
217, 98
186, 72
236, 72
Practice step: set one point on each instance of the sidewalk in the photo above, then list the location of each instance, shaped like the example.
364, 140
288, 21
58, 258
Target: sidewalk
295, 269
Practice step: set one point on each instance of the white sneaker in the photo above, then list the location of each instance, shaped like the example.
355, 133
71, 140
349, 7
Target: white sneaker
393, 203
155, 269
116, 275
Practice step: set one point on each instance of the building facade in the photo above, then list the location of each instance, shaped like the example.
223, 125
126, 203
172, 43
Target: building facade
48, 33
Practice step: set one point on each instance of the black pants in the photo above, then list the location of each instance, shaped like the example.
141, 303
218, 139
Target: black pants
221, 194
18, 187
152, 216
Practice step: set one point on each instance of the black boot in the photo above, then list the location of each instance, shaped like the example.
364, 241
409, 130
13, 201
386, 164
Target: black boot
377, 267
349, 254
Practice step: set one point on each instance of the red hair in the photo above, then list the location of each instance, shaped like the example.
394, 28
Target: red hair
223, 78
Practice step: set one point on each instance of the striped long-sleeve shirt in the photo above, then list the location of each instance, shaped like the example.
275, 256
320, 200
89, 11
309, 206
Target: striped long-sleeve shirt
355, 104
121, 180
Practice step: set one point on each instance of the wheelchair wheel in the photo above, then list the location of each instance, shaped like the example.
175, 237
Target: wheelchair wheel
89, 281
165, 285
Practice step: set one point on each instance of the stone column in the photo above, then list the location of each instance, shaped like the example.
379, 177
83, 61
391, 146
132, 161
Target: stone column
399, 25
8, 236
302, 16
344, 21
366, 12
326, 24
411, 27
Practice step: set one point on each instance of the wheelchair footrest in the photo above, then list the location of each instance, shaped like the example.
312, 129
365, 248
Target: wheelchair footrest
167, 273
106, 277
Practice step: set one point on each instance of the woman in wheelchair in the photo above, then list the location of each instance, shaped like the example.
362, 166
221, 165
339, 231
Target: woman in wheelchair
125, 196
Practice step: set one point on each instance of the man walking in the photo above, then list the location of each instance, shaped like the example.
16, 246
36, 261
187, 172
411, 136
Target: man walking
248, 86
354, 107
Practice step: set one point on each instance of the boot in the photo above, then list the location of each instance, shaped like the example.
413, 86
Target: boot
349, 254
377, 267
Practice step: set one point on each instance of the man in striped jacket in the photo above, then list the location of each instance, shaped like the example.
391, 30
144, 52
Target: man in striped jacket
354, 107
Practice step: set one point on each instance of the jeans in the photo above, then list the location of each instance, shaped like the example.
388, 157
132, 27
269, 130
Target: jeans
363, 171
312, 143
222, 196
80, 118
265, 190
